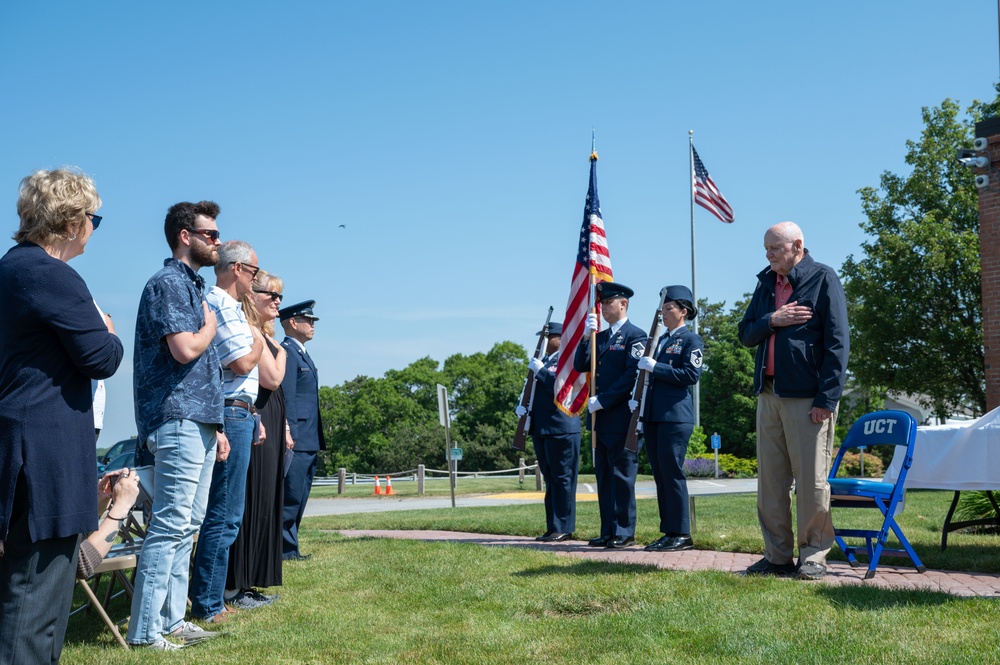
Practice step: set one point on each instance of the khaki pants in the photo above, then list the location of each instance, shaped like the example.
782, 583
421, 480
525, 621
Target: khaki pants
792, 447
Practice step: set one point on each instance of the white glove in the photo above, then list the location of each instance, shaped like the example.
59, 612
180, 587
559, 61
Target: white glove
638, 428
591, 324
535, 365
594, 404
633, 405
520, 411
646, 364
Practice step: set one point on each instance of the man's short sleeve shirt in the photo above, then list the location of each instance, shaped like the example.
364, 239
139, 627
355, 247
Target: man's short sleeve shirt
233, 340
164, 388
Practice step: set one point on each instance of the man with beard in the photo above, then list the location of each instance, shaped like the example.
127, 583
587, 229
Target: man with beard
178, 408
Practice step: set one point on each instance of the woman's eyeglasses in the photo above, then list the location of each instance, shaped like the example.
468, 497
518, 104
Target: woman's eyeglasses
274, 296
94, 219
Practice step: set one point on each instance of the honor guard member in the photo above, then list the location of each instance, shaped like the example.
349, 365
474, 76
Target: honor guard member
556, 436
301, 388
668, 416
619, 348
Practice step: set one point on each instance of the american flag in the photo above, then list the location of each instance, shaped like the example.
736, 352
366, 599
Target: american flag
706, 194
592, 258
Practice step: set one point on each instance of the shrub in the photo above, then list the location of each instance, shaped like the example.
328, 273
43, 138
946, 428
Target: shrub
699, 468
731, 466
850, 466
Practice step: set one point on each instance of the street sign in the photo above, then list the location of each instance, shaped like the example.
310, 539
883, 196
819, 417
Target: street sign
716, 442
442, 405
456, 454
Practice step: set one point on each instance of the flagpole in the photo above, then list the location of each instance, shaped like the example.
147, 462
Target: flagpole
694, 270
593, 334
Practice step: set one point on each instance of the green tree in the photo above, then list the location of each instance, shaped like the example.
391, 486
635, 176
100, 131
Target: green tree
728, 402
484, 392
391, 423
914, 292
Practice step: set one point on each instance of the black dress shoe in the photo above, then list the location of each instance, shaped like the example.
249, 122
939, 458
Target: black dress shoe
618, 542
545, 536
599, 542
671, 544
556, 537
656, 544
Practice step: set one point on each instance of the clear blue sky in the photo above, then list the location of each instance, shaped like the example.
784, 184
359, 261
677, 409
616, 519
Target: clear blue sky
452, 140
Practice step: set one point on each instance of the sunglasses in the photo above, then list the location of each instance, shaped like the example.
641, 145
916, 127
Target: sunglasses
274, 296
94, 219
247, 265
211, 234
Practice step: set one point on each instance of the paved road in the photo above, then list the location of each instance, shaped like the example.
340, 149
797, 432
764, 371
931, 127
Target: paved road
585, 492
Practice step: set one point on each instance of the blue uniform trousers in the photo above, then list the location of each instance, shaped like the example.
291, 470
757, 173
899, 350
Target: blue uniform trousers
616, 468
666, 446
298, 483
559, 461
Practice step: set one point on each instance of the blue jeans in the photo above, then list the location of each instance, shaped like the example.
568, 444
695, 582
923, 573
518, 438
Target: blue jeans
226, 502
185, 454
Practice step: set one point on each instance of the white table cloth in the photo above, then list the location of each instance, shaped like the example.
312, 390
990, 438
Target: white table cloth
958, 456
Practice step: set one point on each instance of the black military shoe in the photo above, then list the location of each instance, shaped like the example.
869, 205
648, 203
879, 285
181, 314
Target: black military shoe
675, 544
545, 536
619, 542
602, 541
556, 537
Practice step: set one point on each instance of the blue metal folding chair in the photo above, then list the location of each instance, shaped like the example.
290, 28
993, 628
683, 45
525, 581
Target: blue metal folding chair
894, 428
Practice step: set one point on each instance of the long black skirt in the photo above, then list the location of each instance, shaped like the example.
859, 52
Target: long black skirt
255, 557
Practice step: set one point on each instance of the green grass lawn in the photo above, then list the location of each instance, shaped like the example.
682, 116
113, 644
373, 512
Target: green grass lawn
387, 601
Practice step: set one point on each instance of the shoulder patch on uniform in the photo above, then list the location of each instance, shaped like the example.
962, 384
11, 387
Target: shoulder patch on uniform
638, 349
697, 357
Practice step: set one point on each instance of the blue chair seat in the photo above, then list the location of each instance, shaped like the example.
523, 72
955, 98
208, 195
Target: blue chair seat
860, 487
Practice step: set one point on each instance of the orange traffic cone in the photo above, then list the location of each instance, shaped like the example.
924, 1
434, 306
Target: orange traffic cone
388, 486
378, 487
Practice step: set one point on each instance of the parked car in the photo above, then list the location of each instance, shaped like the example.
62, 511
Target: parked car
118, 456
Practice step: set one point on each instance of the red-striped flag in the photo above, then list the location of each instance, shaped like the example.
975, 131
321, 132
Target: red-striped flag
592, 258
706, 194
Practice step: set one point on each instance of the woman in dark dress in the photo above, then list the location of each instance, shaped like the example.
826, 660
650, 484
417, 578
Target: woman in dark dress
255, 557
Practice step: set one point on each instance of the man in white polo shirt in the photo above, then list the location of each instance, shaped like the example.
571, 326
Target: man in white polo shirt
239, 347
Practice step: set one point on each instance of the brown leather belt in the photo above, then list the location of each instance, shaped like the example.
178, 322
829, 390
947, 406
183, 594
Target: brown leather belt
240, 403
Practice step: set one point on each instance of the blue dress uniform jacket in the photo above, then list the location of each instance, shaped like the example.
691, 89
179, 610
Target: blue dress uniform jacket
678, 366
617, 366
668, 421
546, 417
301, 388
556, 437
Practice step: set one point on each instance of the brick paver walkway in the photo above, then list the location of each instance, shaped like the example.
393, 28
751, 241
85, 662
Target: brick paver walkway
886, 577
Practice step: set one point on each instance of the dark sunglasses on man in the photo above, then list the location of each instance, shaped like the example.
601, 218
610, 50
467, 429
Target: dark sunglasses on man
210, 234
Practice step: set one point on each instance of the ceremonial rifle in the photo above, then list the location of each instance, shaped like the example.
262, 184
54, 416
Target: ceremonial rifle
528, 396
642, 384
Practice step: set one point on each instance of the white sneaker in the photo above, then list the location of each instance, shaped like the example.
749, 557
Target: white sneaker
192, 634
159, 645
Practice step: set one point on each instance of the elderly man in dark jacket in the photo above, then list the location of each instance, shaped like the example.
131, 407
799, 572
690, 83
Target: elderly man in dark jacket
797, 319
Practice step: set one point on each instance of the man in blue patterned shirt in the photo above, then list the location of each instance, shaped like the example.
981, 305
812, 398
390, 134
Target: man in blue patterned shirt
178, 412
238, 346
